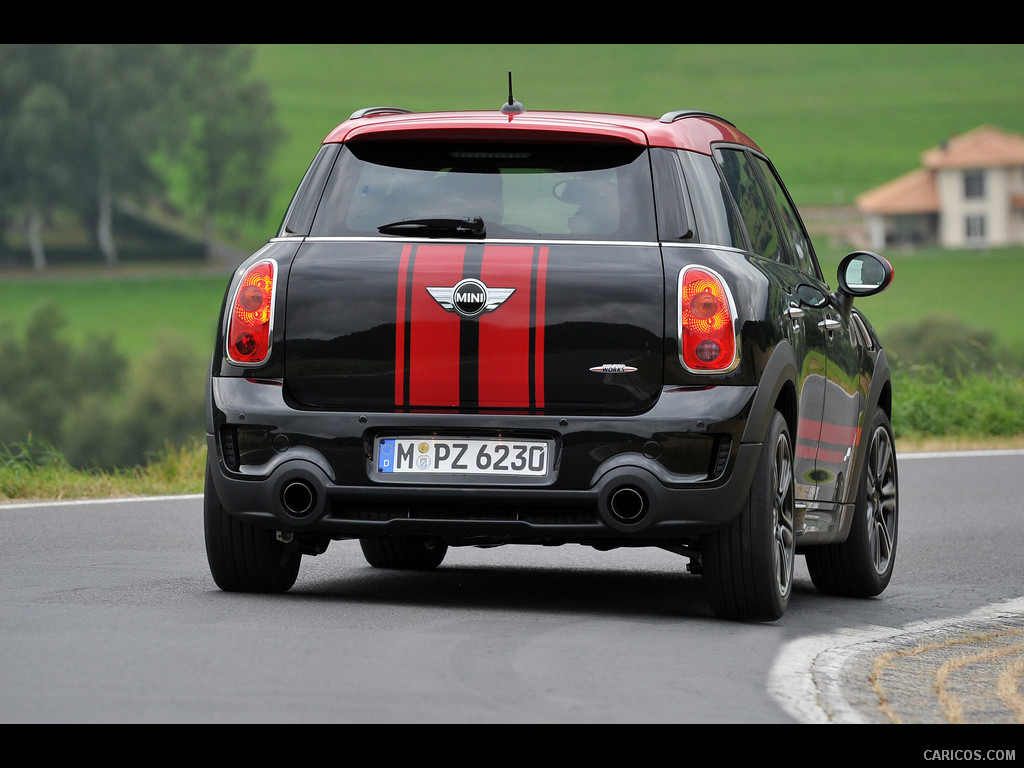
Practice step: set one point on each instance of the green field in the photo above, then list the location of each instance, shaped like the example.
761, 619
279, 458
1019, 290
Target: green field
141, 312
837, 119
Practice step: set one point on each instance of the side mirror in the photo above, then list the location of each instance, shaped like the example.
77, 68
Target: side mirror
863, 273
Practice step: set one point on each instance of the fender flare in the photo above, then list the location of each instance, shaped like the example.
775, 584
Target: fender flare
780, 370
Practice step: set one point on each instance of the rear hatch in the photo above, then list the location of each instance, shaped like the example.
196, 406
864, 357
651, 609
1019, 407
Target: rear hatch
479, 278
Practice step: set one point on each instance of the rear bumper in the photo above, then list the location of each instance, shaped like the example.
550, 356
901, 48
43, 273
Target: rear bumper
672, 473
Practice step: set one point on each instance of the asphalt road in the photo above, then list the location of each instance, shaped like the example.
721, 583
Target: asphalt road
108, 615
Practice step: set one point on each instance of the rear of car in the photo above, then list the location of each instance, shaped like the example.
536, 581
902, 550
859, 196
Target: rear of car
482, 329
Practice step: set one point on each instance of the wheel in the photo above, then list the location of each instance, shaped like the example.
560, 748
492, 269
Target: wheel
242, 557
407, 553
862, 565
748, 566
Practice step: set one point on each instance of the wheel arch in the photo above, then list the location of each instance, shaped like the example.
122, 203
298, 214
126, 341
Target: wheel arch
776, 391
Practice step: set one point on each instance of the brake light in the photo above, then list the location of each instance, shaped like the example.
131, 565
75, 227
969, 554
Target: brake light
707, 332
248, 336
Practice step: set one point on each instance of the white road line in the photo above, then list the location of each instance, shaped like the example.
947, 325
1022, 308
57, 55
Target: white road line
85, 502
961, 454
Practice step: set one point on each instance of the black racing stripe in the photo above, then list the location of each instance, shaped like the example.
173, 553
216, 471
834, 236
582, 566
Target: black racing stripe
469, 338
406, 353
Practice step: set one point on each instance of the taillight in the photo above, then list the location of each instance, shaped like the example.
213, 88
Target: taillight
707, 332
252, 312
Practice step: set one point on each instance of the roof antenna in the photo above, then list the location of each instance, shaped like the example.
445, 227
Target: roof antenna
513, 107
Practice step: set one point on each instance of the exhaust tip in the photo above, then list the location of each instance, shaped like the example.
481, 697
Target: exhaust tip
628, 504
298, 498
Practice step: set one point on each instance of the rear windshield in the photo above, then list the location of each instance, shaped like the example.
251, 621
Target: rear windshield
519, 191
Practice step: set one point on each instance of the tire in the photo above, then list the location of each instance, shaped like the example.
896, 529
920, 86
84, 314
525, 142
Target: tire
862, 565
407, 553
242, 557
748, 566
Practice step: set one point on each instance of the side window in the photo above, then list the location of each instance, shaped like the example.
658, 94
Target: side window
674, 215
754, 206
792, 227
713, 211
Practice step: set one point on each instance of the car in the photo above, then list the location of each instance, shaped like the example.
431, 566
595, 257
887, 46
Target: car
515, 327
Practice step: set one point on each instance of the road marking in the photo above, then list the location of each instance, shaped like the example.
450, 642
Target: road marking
84, 502
961, 454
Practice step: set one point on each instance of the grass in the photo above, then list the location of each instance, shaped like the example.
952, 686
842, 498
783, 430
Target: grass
32, 472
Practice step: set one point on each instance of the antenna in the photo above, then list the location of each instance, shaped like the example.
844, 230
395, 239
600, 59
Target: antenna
513, 107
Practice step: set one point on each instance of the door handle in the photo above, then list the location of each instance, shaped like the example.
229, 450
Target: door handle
829, 324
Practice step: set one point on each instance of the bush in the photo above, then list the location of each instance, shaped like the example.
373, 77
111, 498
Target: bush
88, 405
927, 402
946, 343
45, 378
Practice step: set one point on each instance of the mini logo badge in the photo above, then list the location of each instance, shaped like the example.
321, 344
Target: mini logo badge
470, 297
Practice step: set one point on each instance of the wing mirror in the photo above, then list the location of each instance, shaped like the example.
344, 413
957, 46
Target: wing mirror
862, 273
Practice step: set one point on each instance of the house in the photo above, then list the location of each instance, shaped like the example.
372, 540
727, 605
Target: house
969, 193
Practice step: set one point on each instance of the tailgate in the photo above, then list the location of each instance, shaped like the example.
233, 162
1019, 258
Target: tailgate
474, 327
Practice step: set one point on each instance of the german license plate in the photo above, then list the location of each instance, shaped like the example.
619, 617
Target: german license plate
461, 456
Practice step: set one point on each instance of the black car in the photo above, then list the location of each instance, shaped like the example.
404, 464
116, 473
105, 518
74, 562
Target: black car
516, 327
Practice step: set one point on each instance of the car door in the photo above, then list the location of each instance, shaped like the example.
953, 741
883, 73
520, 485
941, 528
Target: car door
832, 397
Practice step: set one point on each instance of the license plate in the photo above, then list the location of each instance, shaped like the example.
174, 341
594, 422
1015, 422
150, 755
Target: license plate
459, 456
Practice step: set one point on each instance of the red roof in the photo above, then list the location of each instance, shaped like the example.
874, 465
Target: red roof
683, 130
912, 192
983, 147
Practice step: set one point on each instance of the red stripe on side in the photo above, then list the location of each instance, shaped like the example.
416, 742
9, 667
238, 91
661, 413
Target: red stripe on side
828, 433
831, 457
434, 336
821, 454
400, 302
538, 341
504, 362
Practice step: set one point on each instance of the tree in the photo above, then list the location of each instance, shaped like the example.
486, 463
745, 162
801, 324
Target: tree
33, 123
222, 160
83, 126
121, 99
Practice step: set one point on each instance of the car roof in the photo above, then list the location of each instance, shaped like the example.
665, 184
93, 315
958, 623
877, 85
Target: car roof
682, 129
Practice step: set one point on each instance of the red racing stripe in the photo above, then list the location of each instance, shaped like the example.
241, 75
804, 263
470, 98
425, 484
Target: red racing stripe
504, 359
434, 333
538, 343
403, 280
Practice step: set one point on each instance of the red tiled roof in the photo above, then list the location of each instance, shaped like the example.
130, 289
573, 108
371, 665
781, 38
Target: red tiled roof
913, 192
984, 147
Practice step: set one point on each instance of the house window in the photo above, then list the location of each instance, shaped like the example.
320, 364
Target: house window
974, 184
975, 226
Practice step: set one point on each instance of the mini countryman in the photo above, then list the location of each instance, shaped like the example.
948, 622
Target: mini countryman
516, 327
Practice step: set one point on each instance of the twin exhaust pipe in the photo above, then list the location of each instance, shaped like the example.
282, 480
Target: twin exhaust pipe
301, 499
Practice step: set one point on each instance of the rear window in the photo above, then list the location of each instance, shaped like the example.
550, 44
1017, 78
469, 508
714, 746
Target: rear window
555, 191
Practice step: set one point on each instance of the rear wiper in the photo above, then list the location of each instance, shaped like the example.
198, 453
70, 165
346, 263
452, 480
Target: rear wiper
442, 226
